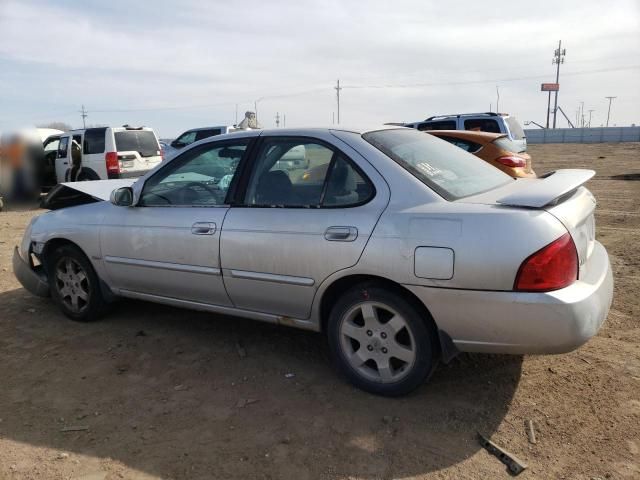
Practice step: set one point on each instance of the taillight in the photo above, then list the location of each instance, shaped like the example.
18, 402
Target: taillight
113, 166
550, 268
162, 154
512, 161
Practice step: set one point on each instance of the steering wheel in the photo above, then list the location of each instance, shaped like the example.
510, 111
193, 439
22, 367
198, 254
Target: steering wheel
192, 186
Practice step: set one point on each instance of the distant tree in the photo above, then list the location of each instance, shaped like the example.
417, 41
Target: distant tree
57, 125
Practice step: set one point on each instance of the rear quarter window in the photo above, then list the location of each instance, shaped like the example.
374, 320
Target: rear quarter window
482, 125
142, 141
94, 140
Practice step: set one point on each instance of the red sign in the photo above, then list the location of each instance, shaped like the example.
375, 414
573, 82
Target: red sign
550, 87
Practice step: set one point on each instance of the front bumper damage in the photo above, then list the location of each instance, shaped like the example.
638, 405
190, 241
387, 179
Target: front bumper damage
31, 277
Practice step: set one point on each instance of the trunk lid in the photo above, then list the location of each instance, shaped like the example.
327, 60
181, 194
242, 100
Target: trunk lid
561, 194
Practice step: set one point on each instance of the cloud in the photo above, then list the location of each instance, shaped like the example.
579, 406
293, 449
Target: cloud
208, 56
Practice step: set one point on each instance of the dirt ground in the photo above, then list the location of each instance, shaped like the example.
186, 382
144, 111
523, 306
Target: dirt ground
164, 393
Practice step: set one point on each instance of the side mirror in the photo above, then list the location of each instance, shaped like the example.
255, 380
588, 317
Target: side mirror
122, 197
176, 144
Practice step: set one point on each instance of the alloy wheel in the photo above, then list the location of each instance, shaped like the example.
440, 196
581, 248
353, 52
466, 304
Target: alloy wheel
72, 284
377, 342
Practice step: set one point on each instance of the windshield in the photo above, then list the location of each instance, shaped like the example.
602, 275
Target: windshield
447, 169
142, 141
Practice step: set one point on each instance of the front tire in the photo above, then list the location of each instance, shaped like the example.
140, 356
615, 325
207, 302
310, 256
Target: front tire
74, 285
380, 342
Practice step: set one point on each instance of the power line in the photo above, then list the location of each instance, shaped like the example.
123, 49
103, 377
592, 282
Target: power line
472, 82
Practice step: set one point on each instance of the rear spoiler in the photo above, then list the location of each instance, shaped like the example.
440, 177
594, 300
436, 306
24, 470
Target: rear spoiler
546, 190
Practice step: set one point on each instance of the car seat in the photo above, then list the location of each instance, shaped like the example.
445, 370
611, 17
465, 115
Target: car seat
342, 187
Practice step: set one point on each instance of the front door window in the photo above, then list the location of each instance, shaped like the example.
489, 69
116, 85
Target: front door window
199, 178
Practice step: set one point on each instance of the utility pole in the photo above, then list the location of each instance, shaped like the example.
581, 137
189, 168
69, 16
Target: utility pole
589, 124
255, 107
236, 114
548, 107
284, 120
277, 119
558, 58
609, 111
497, 100
84, 114
338, 88
582, 114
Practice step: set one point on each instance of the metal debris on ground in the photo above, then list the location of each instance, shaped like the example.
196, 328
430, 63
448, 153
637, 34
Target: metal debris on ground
244, 402
515, 466
531, 431
289, 375
77, 428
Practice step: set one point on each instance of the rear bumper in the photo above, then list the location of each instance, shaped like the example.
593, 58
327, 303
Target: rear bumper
32, 279
525, 323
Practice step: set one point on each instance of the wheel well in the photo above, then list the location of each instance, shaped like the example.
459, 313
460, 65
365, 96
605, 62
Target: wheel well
341, 285
52, 245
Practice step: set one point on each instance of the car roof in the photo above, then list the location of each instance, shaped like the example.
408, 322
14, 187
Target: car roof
306, 131
197, 129
117, 129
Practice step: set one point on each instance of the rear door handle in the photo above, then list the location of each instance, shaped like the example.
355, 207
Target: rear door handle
341, 234
203, 228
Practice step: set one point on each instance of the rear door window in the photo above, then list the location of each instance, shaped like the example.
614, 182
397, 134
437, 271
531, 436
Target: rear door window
200, 134
142, 141
482, 125
62, 147
292, 172
94, 140
438, 125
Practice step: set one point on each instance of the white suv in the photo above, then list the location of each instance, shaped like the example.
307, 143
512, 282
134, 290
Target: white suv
104, 153
483, 122
197, 134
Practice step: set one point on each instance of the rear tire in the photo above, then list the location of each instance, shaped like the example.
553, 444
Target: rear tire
74, 284
380, 341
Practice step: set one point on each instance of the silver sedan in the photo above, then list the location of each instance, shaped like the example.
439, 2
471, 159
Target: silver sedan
399, 247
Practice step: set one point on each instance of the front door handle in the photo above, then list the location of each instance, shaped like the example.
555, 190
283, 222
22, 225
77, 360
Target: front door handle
341, 234
203, 228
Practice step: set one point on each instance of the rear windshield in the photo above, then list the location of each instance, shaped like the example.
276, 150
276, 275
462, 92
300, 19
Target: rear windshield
142, 141
515, 128
505, 143
447, 169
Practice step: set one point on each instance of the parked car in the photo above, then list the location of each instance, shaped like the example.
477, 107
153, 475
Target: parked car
406, 252
480, 122
494, 148
196, 134
100, 153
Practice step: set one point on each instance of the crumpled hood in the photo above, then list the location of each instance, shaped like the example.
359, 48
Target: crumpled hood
79, 193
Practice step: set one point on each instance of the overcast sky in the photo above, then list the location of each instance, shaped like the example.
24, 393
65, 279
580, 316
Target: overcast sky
178, 65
